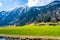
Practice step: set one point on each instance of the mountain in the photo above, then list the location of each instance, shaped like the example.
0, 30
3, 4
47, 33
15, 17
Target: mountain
26, 15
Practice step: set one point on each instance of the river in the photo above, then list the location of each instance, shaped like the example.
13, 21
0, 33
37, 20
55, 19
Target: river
1, 38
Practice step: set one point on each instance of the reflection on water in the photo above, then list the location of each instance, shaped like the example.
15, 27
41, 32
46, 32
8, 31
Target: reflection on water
2, 38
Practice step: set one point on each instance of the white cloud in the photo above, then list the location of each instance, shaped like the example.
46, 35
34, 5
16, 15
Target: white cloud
38, 2
32, 2
10, 9
0, 4
16, 4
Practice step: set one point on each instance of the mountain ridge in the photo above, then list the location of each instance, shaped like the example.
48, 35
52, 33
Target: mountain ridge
25, 15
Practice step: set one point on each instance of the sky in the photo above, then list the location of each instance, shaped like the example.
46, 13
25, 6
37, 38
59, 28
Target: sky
6, 5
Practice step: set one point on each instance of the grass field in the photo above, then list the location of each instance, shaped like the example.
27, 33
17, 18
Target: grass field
32, 30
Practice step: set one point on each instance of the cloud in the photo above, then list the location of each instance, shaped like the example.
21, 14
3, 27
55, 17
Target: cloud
16, 4
32, 2
9, 9
38, 2
0, 4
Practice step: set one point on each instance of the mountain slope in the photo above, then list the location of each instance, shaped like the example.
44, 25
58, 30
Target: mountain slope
25, 15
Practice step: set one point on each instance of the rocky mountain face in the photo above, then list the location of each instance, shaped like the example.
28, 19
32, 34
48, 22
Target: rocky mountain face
26, 15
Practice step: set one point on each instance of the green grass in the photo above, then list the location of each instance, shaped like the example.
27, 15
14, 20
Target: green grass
32, 30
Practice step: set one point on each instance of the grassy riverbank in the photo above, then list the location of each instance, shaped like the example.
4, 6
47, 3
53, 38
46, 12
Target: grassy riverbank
32, 30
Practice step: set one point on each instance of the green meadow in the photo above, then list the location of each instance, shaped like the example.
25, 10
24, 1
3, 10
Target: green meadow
32, 30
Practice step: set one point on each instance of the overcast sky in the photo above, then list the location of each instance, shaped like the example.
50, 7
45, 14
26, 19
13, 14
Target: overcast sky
11, 4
